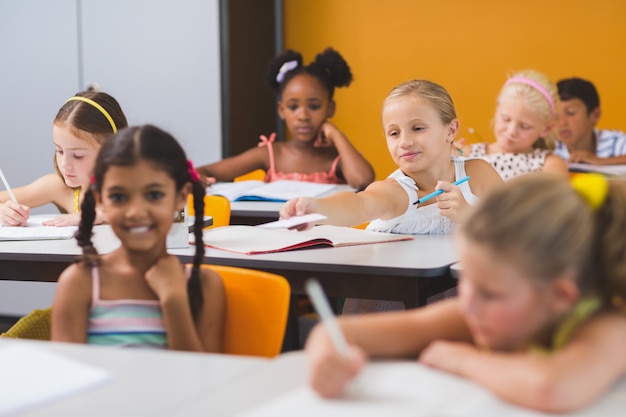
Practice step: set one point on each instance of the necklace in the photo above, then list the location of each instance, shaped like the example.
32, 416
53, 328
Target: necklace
76, 198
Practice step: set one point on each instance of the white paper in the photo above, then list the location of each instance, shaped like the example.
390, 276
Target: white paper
395, 389
293, 221
31, 377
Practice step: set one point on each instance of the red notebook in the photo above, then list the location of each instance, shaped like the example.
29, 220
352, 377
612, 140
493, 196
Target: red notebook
251, 240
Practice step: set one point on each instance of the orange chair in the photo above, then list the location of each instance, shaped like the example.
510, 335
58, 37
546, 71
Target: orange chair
257, 174
215, 206
257, 305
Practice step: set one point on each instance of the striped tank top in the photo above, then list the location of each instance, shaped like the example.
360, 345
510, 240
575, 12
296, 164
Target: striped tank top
126, 323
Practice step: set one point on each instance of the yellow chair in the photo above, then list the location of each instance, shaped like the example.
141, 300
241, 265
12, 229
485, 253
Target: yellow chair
34, 325
257, 305
257, 174
215, 206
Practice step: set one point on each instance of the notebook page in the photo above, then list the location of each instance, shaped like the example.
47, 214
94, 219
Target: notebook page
31, 377
37, 232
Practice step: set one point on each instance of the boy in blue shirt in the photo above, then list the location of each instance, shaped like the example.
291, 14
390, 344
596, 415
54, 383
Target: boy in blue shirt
580, 140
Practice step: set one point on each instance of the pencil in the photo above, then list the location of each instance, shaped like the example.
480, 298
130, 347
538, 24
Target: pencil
438, 192
7, 186
314, 289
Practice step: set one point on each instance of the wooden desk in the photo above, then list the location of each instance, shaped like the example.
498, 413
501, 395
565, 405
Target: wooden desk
143, 382
384, 388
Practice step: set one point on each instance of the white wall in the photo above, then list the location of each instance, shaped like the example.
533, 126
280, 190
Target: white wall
159, 58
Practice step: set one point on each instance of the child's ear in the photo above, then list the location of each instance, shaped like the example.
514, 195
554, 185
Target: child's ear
594, 115
548, 129
331, 109
565, 292
280, 108
453, 129
183, 194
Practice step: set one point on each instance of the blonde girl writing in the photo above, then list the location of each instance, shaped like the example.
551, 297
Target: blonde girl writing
80, 126
523, 128
540, 317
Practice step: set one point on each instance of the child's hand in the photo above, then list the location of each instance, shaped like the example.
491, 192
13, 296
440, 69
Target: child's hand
167, 278
299, 207
447, 356
14, 214
330, 372
64, 220
451, 202
325, 136
585, 157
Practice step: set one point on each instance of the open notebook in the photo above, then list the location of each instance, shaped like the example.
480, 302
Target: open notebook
37, 231
252, 240
278, 191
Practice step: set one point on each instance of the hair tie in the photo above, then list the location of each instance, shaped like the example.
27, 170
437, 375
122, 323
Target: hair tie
284, 69
192, 172
92, 180
536, 86
97, 106
592, 187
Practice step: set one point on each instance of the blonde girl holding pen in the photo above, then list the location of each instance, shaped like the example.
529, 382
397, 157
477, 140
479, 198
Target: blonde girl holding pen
82, 123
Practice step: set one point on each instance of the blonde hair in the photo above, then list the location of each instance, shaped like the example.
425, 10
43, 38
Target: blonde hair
544, 227
435, 94
535, 99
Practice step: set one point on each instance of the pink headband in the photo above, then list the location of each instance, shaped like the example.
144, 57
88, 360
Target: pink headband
537, 86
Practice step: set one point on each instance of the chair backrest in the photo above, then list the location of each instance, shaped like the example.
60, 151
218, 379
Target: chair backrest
257, 174
257, 305
215, 206
34, 325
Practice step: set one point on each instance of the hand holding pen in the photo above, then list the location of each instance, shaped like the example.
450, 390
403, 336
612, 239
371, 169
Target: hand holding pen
333, 362
12, 213
450, 199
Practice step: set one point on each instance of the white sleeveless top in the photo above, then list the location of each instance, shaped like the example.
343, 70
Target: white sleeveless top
422, 220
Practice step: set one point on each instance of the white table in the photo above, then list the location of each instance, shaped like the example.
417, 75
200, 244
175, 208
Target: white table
143, 382
384, 388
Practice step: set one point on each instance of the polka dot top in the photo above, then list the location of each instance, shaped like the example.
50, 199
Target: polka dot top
511, 165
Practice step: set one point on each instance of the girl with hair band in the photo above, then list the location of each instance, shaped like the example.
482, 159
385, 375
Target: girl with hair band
523, 128
139, 295
318, 151
79, 129
540, 318
420, 124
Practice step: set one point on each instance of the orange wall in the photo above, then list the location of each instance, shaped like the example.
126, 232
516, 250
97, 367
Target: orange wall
467, 46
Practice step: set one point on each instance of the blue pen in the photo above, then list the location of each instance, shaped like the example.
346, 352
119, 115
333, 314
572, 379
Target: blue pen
436, 193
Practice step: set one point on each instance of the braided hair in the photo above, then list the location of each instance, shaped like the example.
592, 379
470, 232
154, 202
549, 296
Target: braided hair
126, 148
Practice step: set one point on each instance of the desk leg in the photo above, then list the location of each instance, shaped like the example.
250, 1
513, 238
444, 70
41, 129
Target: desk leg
292, 332
431, 286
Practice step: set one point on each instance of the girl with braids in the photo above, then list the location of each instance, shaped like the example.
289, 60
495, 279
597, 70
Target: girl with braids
318, 151
540, 319
80, 126
139, 295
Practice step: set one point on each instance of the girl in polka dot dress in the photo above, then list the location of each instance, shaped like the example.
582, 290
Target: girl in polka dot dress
524, 118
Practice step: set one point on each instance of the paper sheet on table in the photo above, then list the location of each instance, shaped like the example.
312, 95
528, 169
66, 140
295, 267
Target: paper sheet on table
395, 389
37, 231
30, 377
293, 221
